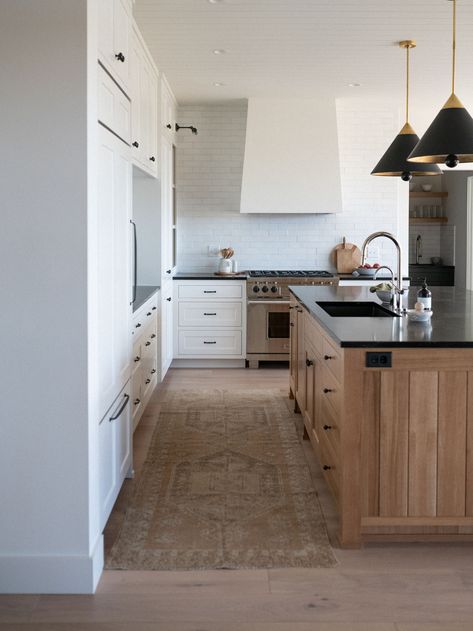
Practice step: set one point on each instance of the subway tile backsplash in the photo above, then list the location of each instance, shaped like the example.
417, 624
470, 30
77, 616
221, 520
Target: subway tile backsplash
209, 171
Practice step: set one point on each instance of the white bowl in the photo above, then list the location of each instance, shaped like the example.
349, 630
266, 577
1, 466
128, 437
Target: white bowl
384, 295
419, 316
426, 188
369, 272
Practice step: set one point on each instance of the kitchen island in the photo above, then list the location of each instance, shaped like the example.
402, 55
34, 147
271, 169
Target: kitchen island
388, 407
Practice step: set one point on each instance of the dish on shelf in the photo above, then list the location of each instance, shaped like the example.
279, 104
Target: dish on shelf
369, 272
419, 316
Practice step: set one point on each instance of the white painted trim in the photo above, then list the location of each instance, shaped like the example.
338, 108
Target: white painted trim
52, 574
208, 363
469, 234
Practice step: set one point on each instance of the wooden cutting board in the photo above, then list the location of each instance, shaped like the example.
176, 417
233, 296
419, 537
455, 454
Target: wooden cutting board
347, 257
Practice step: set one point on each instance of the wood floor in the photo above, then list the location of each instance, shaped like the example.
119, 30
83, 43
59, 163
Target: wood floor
383, 587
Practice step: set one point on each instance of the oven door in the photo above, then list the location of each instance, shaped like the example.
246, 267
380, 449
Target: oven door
268, 327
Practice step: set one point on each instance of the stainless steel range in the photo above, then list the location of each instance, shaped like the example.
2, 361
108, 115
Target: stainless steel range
268, 302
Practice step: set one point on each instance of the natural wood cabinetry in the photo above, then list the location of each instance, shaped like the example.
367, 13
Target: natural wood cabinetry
395, 444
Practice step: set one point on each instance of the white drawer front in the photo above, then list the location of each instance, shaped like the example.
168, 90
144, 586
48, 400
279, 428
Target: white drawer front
114, 108
200, 343
210, 314
211, 291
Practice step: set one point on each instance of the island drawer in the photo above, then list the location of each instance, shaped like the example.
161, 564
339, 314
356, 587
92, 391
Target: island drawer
330, 389
332, 357
329, 425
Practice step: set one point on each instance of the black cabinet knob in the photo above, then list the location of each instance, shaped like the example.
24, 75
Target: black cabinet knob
135, 144
309, 362
152, 336
147, 381
169, 299
120, 57
153, 159
137, 326
136, 401
137, 359
291, 323
327, 427
169, 126
326, 467
328, 357
148, 344
328, 390
168, 271
153, 371
149, 313
153, 309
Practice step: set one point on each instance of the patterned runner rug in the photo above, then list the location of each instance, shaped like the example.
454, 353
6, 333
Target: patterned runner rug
225, 485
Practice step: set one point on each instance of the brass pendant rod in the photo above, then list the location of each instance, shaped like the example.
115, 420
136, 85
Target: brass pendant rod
454, 44
407, 83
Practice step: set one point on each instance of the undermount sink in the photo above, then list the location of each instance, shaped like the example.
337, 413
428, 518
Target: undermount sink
356, 310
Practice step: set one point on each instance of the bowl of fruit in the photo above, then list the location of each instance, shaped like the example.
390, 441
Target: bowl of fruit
367, 270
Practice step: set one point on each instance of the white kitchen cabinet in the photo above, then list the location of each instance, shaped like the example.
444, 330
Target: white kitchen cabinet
144, 95
113, 267
114, 107
168, 244
113, 39
209, 320
167, 327
168, 110
115, 452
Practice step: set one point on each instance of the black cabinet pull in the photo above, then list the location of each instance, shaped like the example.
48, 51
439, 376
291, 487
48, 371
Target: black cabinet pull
148, 344
169, 299
153, 371
137, 326
153, 309
149, 313
147, 381
326, 427
327, 390
137, 359
120, 57
291, 323
328, 357
309, 362
210, 314
136, 401
210, 342
122, 407
152, 336
326, 467
153, 159
168, 271
208, 291
169, 126
135, 144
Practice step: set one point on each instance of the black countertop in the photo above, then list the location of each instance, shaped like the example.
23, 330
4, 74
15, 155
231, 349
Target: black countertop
143, 292
367, 279
451, 324
208, 276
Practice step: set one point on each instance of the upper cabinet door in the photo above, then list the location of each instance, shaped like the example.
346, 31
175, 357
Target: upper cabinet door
114, 33
168, 110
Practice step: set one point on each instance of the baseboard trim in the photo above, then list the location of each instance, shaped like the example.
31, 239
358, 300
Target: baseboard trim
52, 574
208, 363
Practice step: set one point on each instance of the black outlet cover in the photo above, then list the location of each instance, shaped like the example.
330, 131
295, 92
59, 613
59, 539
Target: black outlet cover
378, 360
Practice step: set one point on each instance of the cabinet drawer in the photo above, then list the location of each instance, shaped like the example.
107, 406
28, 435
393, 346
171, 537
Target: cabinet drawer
114, 108
218, 290
210, 314
333, 359
330, 389
199, 342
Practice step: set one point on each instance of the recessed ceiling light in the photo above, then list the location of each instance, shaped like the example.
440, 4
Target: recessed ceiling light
219, 51
218, 84
354, 85
215, 1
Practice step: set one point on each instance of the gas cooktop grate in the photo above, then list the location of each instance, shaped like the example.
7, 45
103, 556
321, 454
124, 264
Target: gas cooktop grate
289, 274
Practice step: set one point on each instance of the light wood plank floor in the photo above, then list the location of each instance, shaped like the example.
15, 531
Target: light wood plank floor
383, 587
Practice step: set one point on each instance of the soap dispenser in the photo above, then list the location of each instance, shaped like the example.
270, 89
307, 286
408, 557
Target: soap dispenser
424, 296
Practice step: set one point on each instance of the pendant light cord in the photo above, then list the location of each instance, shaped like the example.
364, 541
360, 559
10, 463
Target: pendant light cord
454, 44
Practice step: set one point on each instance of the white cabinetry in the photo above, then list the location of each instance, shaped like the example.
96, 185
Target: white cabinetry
114, 107
144, 95
145, 356
210, 320
167, 326
168, 110
113, 267
113, 38
115, 452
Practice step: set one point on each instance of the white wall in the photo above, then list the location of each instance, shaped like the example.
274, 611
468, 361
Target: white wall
209, 171
456, 209
45, 542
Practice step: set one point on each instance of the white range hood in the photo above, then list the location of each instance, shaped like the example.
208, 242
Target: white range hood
291, 162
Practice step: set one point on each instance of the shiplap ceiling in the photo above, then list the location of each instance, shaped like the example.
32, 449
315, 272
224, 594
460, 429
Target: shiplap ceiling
303, 48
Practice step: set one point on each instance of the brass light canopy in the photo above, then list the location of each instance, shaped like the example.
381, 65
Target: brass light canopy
449, 138
394, 162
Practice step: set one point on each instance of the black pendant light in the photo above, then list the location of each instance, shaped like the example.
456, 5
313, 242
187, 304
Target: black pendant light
394, 162
449, 138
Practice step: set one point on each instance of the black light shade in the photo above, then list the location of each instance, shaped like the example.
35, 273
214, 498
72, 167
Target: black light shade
394, 161
449, 138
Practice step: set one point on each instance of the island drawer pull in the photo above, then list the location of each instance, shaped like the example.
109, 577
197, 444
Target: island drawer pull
327, 427
309, 362
328, 357
327, 390
326, 467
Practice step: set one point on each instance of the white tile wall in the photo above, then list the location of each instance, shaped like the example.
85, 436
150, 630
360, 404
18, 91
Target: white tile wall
436, 241
209, 169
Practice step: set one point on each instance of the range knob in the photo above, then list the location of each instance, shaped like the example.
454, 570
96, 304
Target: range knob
256, 289
265, 289
274, 289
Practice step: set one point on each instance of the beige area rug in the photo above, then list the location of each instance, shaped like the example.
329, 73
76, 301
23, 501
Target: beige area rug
224, 485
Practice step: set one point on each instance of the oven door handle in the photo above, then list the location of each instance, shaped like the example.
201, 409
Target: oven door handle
269, 302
